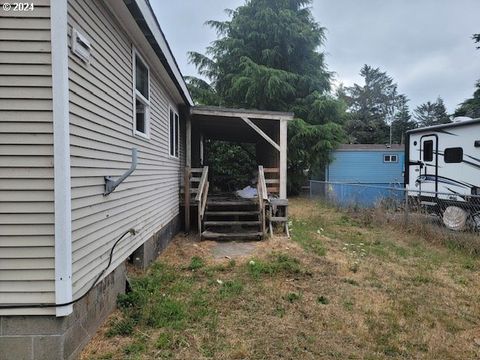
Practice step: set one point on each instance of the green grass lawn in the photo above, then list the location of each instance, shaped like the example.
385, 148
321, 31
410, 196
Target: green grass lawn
340, 288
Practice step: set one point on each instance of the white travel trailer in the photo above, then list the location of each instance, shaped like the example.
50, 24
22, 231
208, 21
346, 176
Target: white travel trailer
442, 169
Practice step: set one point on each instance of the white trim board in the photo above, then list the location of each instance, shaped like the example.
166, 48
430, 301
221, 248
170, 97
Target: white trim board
61, 157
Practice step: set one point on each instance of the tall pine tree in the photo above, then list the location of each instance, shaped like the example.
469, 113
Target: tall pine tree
403, 121
266, 57
471, 107
371, 106
431, 113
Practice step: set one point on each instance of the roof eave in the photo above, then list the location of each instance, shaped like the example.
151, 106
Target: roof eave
146, 20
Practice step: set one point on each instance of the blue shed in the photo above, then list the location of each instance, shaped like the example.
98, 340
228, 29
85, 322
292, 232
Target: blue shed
373, 165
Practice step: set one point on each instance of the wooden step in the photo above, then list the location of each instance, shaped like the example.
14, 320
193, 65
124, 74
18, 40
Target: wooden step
195, 179
231, 202
192, 191
231, 236
231, 223
231, 213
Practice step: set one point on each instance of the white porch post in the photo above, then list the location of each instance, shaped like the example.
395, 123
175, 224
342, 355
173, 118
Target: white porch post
283, 159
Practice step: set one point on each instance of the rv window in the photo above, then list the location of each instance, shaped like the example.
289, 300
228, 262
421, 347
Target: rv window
453, 155
390, 158
428, 150
141, 95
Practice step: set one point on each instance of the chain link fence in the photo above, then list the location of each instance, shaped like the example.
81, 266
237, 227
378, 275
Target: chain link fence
452, 217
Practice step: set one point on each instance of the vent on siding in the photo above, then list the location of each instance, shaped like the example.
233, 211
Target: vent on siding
81, 46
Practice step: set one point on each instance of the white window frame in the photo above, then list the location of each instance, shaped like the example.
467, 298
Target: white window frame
176, 139
390, 158
137, 95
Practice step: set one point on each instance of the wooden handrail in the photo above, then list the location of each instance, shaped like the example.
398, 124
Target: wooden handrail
261, 181
262, 196
201, 185
201, 197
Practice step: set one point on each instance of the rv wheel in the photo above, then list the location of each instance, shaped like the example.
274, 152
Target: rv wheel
455, 218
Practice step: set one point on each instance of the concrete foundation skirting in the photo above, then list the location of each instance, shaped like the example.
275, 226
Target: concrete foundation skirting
52, 338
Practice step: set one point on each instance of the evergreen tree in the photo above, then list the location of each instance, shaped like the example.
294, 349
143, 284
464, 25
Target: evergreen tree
431, 113
476, 38
403, 121
266, 57
371, 106
471, 107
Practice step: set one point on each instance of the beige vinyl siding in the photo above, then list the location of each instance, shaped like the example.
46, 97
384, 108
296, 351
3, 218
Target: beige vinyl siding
101, 126
26, 160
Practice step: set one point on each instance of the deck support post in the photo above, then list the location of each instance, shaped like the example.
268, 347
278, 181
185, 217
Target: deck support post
283, 159
187, 175
186, 195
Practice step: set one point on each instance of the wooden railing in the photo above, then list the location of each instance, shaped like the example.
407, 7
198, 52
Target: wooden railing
201, 197
262, 196
273, 180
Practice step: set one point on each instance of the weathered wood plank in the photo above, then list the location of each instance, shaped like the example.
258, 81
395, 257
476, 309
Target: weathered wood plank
261, 132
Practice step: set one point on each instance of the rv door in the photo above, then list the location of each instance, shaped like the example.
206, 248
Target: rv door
429, 162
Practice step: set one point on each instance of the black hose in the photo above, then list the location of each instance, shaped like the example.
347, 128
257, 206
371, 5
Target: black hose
35, 306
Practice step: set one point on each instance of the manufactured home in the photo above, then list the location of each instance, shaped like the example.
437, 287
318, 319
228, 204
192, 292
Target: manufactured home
101, 160
443, 171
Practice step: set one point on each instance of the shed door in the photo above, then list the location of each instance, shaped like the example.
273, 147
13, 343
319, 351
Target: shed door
429, 169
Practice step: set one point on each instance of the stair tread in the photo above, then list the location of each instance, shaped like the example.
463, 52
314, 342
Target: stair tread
231, 235
231, 223
232, 213
231, 202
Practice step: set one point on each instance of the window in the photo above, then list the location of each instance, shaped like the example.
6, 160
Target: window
428, 150
174, 133
453, 155
390, 158
141, 95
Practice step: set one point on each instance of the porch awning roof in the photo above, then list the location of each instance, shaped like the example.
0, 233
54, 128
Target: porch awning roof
237, 125
214, 111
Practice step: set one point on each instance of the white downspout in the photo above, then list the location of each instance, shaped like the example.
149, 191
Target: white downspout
61, 156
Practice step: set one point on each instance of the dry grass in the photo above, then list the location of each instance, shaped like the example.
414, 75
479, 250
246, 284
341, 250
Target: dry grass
341, 288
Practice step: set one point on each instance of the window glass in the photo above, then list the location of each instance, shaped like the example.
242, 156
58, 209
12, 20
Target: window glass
453, 155
390, 158
141, 77
428, 150
177, 133
172, 133
140, 116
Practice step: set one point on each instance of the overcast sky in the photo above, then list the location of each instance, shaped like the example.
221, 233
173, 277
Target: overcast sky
425, 45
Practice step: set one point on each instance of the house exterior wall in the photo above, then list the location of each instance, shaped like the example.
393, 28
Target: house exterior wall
366, 167
26, 160
101, 125
101, 139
